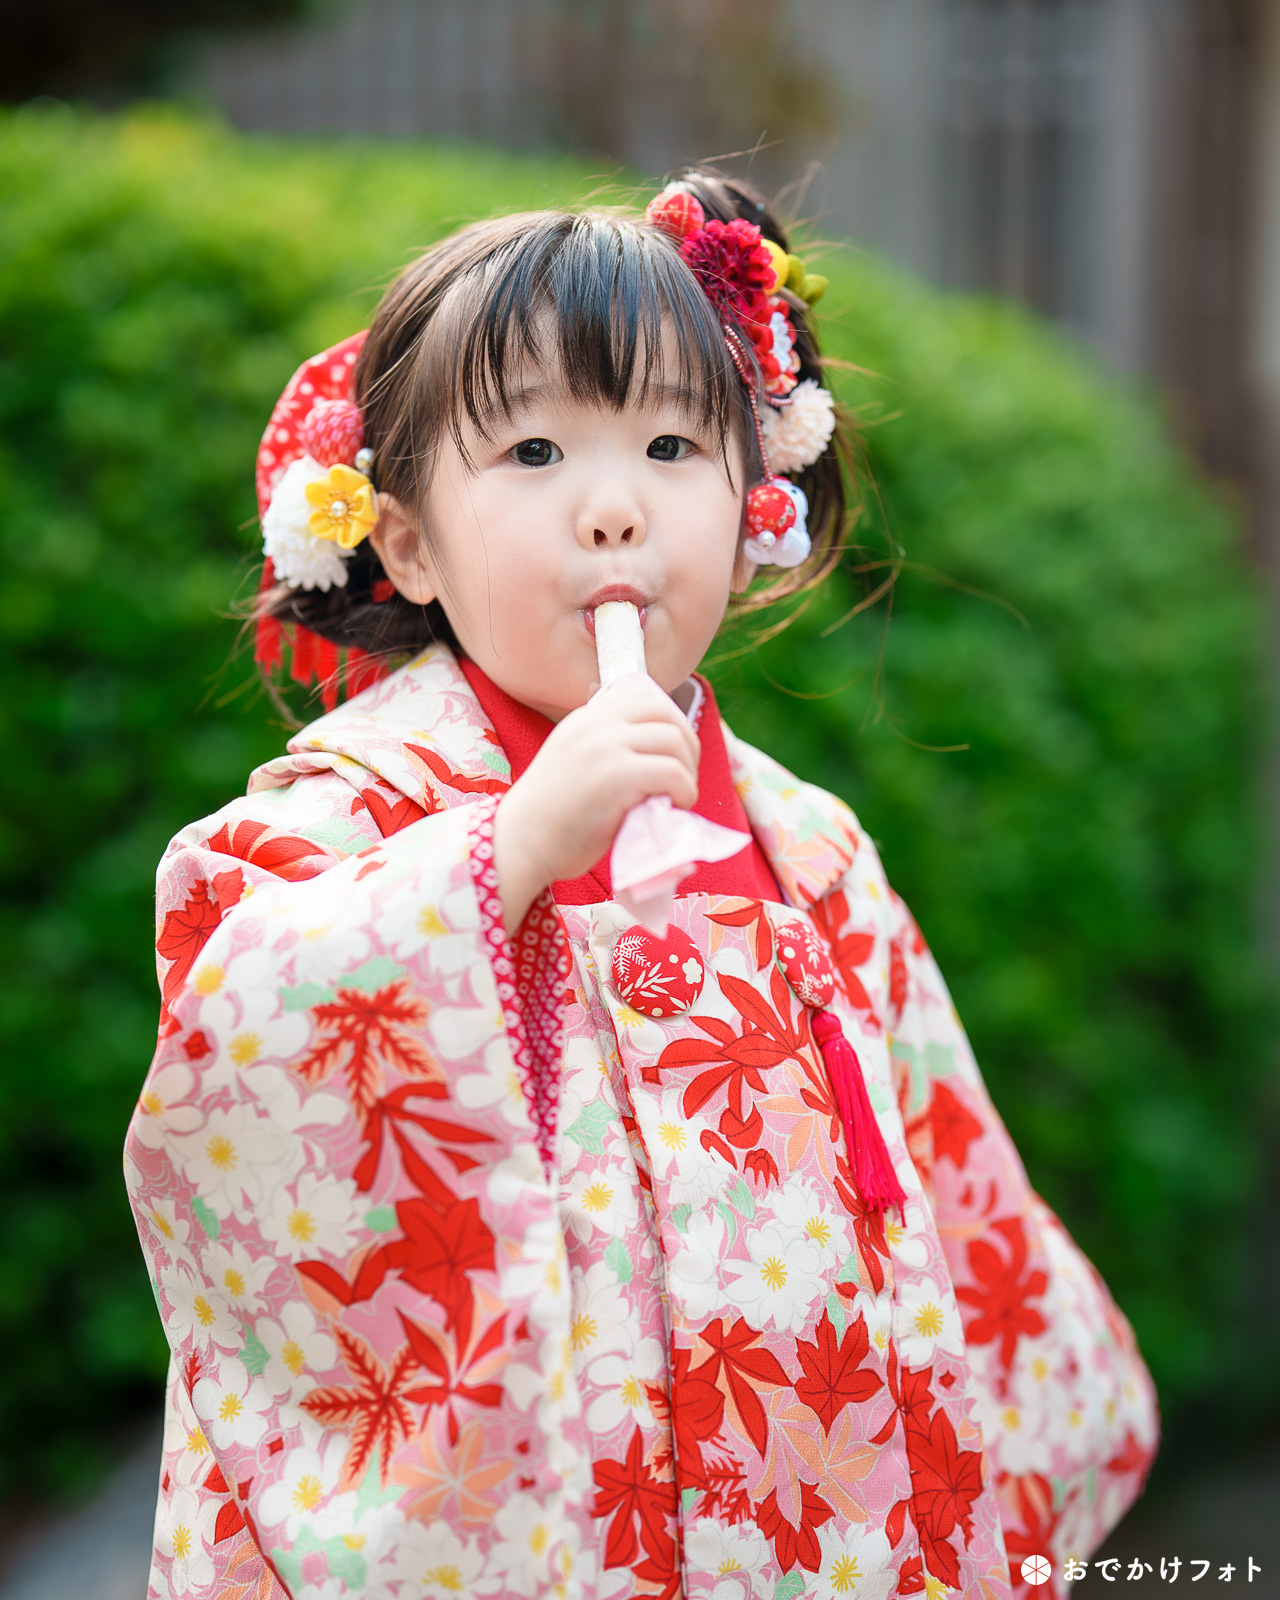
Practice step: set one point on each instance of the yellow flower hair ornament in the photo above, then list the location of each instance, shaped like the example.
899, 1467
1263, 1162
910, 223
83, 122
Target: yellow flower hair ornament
344, 507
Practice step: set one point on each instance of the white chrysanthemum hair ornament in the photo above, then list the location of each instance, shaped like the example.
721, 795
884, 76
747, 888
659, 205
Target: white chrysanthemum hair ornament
743, 274
316, 503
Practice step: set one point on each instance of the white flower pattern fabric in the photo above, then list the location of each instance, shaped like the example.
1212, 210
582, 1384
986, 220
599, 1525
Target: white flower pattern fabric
409, 1359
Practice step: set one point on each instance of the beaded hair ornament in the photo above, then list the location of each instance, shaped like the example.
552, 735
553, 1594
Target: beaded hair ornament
314, 472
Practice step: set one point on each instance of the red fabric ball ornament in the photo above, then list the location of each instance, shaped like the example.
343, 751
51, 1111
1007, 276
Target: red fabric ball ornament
676, 212
805, 963
333, 432
657, 976
769, 510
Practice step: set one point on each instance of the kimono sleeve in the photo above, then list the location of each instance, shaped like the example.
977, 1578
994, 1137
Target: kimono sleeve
1067, 1407
293, 833
350, 1236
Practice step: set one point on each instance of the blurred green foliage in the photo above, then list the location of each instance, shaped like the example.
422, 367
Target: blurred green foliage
1083, 867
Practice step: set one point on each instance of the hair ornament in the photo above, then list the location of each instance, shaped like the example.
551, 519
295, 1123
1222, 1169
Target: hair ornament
743, 274
316, 504
796, 434
777, 524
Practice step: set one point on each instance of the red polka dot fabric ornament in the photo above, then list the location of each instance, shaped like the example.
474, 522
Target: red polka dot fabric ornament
805, 963
316, 416
657, 975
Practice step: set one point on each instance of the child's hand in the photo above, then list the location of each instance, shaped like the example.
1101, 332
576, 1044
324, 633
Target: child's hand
601, 760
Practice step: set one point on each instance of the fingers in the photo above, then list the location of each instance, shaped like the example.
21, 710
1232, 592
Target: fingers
657, 774
661, 739
642, 703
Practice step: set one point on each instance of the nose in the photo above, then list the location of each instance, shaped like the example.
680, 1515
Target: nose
611, 518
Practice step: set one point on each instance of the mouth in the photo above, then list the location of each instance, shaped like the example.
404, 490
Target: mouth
614, 592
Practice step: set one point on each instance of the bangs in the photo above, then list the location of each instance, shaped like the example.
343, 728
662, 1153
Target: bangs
605, 304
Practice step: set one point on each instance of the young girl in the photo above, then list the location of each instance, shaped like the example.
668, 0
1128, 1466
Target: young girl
505, 1246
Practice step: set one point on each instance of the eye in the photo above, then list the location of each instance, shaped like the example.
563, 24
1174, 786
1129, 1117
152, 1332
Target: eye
536, 453
669, 447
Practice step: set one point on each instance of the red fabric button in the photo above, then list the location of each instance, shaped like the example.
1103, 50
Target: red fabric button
657, 976
805, 963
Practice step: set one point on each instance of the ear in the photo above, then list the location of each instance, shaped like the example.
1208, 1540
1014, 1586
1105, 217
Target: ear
402, 551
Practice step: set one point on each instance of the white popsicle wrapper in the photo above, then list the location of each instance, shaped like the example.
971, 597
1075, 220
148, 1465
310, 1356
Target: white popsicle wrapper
619, 641
657, 846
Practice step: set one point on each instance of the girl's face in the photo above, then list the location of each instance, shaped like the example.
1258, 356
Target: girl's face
568, 505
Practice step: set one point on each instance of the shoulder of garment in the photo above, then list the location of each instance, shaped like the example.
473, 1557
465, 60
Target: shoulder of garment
421, 737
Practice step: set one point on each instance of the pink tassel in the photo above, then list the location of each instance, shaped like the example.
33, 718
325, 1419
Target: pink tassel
873, 1173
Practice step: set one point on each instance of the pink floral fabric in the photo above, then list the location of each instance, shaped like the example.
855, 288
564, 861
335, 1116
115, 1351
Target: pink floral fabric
479, 1280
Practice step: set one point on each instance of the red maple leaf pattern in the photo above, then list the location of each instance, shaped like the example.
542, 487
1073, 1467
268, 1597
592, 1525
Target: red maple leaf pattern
740, 1366
388, 816
375, 1409
750, 914
798, 1543
737, 1062
696, 1409
449, 1386
1029, 1520
368, 1029
897, 977
868, 1230
438, 1251
628, 1492
849, 950
394, 1111
954, 1126
186, 929
1002, 1293
452, 779
833, 1373
945, 1480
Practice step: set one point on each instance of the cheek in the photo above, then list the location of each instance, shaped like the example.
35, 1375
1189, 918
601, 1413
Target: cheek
495, 564
716, 512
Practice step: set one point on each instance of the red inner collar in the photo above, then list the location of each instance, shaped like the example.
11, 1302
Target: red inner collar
521, 733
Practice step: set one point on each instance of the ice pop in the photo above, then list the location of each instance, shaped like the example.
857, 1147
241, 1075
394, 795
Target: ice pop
619, 641
656, 847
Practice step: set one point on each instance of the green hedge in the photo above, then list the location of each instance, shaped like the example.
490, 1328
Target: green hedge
1083, 868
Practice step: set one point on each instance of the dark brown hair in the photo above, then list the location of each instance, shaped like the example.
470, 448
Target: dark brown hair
458, 322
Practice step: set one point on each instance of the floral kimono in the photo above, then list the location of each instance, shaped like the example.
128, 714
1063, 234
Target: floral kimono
536, 1266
